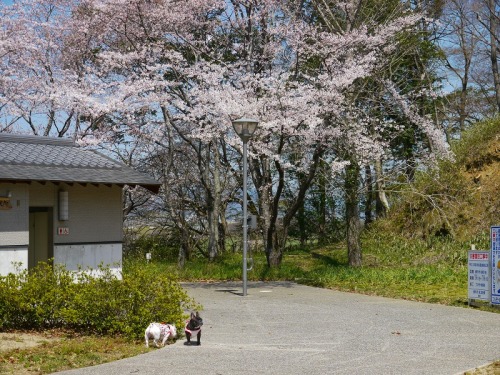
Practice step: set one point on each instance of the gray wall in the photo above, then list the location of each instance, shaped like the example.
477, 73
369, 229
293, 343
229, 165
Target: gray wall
14, 222
95, 215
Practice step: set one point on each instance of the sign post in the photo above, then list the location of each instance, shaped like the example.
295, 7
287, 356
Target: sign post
479, 275
495, 265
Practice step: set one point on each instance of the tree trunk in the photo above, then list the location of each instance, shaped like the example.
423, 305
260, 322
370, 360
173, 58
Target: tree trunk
301, 218
185, 246
213, 204
274, 252
275, 235
352, 214
381, 203
273, 241
222, 229
275, 247
462, 105
369, 194
183, 250
213, 229
322, 205
263, 181
493, 50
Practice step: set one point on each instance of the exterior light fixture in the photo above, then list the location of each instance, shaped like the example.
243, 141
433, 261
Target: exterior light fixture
63, 206
245, 128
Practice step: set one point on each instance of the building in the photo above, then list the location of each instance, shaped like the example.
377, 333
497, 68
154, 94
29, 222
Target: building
60, 201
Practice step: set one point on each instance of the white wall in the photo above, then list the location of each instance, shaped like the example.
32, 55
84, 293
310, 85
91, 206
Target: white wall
11, 257
81, 257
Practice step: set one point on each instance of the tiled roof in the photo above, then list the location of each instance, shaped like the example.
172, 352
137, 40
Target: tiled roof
45, 159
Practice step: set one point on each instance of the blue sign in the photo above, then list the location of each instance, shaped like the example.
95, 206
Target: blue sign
495, 265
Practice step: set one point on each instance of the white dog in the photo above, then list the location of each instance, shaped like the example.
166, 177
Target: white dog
157, 331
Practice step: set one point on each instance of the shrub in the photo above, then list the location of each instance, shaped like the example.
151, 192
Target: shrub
472, 148
50, 296
35, 298
160, 245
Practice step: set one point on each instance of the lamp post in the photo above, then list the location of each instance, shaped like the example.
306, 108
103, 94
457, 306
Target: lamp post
245, 128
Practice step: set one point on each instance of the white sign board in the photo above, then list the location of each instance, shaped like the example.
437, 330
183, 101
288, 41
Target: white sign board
495, 265
62, 231
479, 275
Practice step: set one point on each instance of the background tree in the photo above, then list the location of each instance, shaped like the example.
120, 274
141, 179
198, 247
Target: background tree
42, 89
164, 80
470, 47
377, 104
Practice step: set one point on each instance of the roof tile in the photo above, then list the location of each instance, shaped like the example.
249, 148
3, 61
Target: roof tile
30, 158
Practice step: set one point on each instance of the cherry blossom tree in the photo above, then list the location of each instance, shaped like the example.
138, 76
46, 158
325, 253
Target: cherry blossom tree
308, 115
176, 73
383, 102
41, 86
143, 61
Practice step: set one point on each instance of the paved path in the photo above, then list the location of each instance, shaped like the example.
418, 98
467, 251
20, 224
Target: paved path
287, 329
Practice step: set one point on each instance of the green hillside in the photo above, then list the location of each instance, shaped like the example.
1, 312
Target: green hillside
460, 201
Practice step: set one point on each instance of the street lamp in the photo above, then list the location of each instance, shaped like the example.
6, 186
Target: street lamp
245, 127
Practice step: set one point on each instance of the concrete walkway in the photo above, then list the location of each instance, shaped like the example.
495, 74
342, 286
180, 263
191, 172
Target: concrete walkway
285, 328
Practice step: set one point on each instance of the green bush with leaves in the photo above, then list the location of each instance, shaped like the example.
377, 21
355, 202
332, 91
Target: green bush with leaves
472, 149
163, 246
35, 298
50, 296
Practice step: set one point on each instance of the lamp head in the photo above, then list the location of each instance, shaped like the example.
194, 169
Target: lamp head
245, 128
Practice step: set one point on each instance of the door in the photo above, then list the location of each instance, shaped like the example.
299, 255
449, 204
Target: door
40, 233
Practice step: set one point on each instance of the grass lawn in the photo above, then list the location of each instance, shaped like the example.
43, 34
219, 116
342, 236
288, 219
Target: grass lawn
59, 351
327, 268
